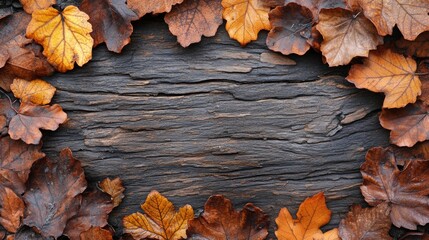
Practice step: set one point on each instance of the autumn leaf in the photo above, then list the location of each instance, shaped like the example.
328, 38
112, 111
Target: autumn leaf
32, 5
411, 16
390, 73
291, 29
65, 36
111, 21
31, 118
13, 180
142, 7
53, 195
26, 233
11, 211
423, 70
366, 223
220, 221
114, 188
244, 19
36, 91
419, 47
160, 220
312, 215
193, 19
346, 35
402, 185
96, 233
4, 12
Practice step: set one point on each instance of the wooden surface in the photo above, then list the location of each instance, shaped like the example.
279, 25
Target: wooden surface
216, 118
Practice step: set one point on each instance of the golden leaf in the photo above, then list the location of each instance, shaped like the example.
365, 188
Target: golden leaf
32, 5
114, 188
36, 91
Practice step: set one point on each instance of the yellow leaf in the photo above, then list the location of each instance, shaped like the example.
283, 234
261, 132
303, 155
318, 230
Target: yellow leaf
245, 18
161, 221
32, 5
36, 91
65, 36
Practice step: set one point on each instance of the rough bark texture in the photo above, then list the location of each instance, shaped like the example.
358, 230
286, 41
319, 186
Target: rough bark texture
216, 118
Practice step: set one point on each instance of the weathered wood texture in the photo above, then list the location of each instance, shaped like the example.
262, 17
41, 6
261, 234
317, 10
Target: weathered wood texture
215, 119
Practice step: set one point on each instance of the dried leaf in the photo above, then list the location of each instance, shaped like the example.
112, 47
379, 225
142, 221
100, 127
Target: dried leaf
26, 233
423, 70
142, 7
312, 214
31, 118
32, 5
419, 47
161, 221
291, 29
114, 188
193, 19
366, 223
4, 12
220, 221
96, 233
11, 211
404, 189
65, 36
390, 73
245, 18
53, 195
13, 180
36, 91
411, 16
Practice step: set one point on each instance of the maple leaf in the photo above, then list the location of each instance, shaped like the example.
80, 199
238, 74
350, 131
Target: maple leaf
291, 29
312, 214
114, 188
31, 118
245, 18
404, 189
32, 5
419, 47
96, 233
220, 221
366, 223
390, 73
411, 16
65, 36
53, 192
142, 7
11, 211
193, 19
36, 91
161, 221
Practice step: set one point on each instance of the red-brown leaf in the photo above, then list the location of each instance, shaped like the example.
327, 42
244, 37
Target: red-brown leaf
11, 211
96, 233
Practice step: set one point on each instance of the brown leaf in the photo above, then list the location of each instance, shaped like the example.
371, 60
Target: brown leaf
390, 73
291, 29
93, 212
419, 47
346, 35
366, 223
31, 118
423, 70
193, 19
11, 211
411, 16
114, 188
13, 180
4, 12
26, 233
96, 233
36, 91
32, 5
220, 221
142, 7
404, 189
53, 195
408, 125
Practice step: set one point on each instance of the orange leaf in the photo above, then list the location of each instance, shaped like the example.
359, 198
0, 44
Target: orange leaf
114, 188
96, 233
244, 19
36, 91
142, 7
390, 73
11, 211
32, 5
161, 221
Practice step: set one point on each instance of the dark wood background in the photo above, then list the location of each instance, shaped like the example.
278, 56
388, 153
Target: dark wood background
217, 118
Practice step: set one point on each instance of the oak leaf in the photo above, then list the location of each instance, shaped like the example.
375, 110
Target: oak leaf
32, 5
402, 185
419, 47
291, 29
53, 195
390, 73
31, 118
193, 19
220, 221
11, 211
346, 35
411, 16
65, 36
142, 7
245, 18
311, 216
96, 233
35, 91
366, 223
160, 220
114, 188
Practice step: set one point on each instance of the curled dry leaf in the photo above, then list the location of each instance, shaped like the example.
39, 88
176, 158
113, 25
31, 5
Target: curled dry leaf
291, 29
53, 195
403, 188
32, 5
244, 19
161, 221
419, 47
366, 223
96, 233
390, 73
220, 221
11, 211
36, 91
142, 7
193, 19
65, 36
111, 21
114, 188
